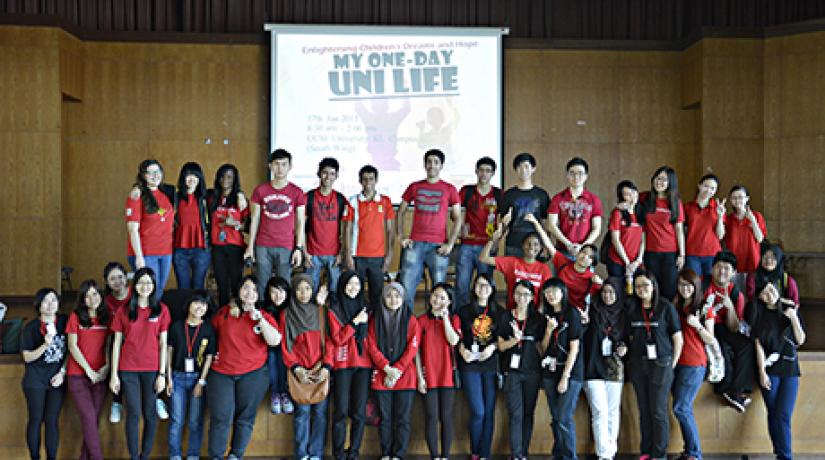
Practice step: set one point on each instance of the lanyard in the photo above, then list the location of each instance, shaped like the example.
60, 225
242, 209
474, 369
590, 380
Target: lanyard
522, 327
190, 344
648, 319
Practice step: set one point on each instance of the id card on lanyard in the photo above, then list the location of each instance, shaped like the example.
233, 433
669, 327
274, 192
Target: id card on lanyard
515, 358
651, 343
189, 360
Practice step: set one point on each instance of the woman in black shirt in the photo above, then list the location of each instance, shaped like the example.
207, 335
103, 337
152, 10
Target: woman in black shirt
43, 345
520, 335
562, 369
604, 348
655, 345
778, 332
479, 363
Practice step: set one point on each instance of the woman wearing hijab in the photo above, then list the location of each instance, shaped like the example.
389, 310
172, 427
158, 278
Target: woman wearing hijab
392, 345
771, 269
305, 356
604, 348
351, 366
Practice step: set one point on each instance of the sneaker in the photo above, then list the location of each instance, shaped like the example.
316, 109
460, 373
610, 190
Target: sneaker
193, 457
175, 457
735, 402
286, 404
275, 403
160, 406
114, 413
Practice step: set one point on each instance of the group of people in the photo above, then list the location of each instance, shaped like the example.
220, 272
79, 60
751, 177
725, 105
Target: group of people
693, 292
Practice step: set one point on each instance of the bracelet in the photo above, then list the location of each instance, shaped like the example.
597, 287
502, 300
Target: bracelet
202, 382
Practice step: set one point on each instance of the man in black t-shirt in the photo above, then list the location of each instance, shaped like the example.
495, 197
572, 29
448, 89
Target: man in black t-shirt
525, 198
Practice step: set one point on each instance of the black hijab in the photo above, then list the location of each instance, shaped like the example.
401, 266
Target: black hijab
346, 307
777, 275
610, 316
391, 326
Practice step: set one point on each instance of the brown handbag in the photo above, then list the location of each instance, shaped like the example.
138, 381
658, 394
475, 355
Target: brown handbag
314, 391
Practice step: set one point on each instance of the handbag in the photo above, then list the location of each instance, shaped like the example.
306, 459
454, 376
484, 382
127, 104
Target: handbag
716, 362
314, 391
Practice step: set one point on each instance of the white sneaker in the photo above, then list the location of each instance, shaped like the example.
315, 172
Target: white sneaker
163, 414
114, 413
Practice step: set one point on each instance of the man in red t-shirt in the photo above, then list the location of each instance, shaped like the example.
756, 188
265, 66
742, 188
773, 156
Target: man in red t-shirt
480, 203
428, 244
370, 234
574, 218
326, 210
276, 232
732, 331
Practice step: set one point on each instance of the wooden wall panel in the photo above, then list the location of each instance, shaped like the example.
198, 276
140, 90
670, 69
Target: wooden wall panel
72, 54
30, 160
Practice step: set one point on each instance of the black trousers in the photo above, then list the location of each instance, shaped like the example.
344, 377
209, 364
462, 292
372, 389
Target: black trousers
663, 267
371, 270
44, 409
521, 390
138, 390
396, 411
227, 265
652, 381
740, 361
438, 407
350, 389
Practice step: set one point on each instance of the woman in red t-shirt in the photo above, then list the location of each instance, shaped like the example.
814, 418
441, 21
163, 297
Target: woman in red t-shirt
744, 231
150, 222
306, 354
228, 210
88, 335
139, 359
238, 379
392, 343
191, 253
117, 295
705, 220
435, 363
663, 216
627, 237
697, 331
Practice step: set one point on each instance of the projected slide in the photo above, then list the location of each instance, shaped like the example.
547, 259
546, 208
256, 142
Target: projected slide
383, 96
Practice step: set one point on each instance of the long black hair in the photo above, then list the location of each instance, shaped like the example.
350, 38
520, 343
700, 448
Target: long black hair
491, 301
777, 275
276, 282
696, 303
672, 194
82, 309
528, 285
232, 198
191, 169
237, 291
626, 220
111, 266
546, 308
154, 302
448, 289
149, 201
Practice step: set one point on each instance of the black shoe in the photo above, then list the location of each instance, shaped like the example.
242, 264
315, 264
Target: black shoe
735, 401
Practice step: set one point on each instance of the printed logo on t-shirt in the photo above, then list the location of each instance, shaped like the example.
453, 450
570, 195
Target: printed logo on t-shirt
277, 206
525, 205
56, 350
428, 200
325, 212
533, 278
575, 210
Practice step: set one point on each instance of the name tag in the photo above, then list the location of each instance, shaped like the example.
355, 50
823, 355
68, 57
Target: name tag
607, 346
550, 363
515, 361
189, 364
651, 351
474, 347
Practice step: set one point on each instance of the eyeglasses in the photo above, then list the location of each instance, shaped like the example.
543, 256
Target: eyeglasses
644, 285
144, 283
523, 295
153, 172
576, 173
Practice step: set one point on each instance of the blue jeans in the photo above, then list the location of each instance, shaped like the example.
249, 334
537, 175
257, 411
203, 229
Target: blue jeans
702, 265
466, 262
161, 265
310, 426
333, 271
480, 389
267, 258
779, 401
413, 261
191, 266
184, 383
687, 381
562, 407
277, 371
